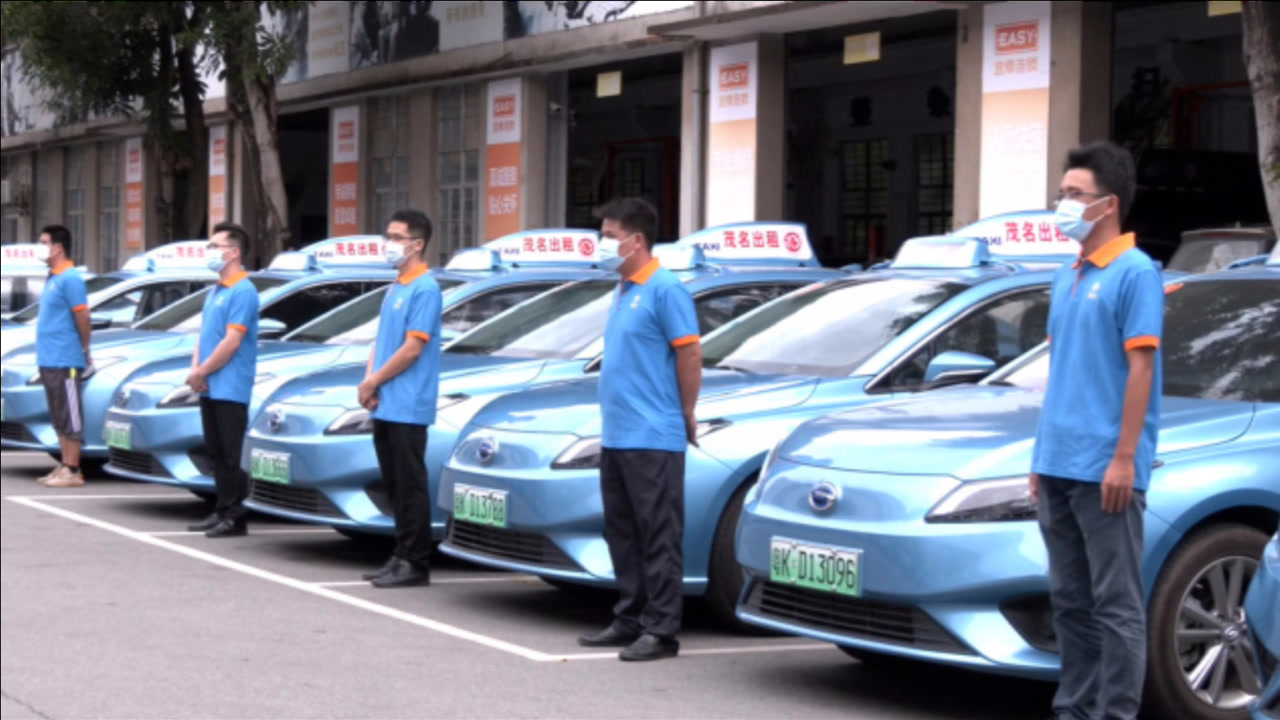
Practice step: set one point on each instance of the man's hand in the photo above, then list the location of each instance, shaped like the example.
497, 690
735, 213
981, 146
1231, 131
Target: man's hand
197, 381
1117, 486
367, 393
691, 428
1033, 487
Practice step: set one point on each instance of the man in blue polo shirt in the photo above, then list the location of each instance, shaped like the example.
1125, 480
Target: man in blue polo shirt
400, 387
1097, 439
62, 351
222, 370
649, 383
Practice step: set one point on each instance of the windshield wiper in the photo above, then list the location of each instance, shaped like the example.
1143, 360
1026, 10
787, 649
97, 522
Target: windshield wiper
733, 368
1002, 383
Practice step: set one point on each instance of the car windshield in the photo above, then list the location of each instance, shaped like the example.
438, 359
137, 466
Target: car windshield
446, 284
1222, 345
355, 323
1031, 373
826, 329
184, 316
555, 325
1203, 256
91, 286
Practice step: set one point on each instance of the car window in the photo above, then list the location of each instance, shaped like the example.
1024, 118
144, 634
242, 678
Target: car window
355, 323
1202, 256
826, 329
999, 330
718, 307
1223, 346
162, 295
556, 325
184, 315
296, 309
23, 293
483, 306
122, 309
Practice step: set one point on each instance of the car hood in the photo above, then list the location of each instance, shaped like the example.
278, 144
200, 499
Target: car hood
109, 344
274, 357
336, 387
977, 433
573, 406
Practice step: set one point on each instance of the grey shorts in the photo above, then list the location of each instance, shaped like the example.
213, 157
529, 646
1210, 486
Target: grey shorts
62, 392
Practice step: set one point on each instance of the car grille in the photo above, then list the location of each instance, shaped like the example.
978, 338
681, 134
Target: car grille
858, 618
292, 499
136, 463
522, 547
16, 432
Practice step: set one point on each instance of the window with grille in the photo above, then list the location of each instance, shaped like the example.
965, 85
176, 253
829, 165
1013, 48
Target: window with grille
45, 182
109, 177
9, 219
935, 172
461, 131
864, 198
73, 200
389, 159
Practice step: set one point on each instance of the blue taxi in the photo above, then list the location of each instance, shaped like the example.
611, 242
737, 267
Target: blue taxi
947, 310
145, 284
153, 429
310, 455
295, 289
906, 528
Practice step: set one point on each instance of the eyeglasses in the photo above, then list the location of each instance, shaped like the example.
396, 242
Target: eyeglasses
399, 238
1076, 195
214, 246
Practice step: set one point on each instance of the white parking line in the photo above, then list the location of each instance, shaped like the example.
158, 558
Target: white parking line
441, 581
45, 498
265, 531
383, 610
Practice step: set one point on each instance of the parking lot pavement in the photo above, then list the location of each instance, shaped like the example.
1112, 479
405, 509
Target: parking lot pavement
110, 609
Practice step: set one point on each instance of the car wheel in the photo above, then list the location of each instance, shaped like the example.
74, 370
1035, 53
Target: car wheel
1199, 664
725, 577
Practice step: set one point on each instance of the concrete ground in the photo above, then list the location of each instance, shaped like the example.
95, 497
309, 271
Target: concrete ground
109, 609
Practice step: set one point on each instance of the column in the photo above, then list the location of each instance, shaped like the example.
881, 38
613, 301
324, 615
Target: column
693, 138
423, 160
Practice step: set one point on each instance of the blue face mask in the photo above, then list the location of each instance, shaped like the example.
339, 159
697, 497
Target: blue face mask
215, 262
1069, 217
609, 258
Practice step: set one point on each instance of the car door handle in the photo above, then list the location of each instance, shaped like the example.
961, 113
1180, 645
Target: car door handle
1157, 464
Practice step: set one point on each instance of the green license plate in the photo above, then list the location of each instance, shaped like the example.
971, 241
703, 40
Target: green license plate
480, 506
117, 434
828, 569
272, 467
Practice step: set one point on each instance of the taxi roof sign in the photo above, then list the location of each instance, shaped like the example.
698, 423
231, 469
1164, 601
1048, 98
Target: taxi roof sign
294, 262
769, 243
549, 246
182, 255
942, 252
673, 256
21, 258
347, 251
1022, 235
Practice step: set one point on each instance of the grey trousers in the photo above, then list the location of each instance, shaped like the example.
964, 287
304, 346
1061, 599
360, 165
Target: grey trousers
1099, 615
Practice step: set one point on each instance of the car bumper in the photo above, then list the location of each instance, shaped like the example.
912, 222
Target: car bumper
166, 447
26, 424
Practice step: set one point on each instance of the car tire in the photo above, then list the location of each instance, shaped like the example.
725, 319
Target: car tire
725, 577
1233, 549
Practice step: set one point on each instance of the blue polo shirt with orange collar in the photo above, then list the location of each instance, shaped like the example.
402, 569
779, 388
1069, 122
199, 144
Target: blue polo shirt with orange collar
1101, 307
232, 304
411, 308
57, 338
653, 315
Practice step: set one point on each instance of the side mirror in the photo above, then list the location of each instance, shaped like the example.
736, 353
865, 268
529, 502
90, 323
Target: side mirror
99, 322
954, 367
269, 329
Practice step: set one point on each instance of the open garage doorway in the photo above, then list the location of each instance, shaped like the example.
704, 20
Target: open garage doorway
304, 164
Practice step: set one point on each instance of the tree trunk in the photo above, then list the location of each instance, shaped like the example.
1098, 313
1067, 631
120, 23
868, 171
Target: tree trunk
1262, 62
263, 111
197, 140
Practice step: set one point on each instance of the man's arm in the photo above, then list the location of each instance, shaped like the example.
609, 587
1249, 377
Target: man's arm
84, 327
689, 379
1117, 483
223, 353
408, 353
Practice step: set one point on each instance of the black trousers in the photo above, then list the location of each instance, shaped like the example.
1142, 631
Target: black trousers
402, 460
225, 423
643, 495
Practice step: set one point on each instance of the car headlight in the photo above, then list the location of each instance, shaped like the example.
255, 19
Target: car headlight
756, 488
986, 501
179, 397
88, 373
352, 422
450, 400
582, 455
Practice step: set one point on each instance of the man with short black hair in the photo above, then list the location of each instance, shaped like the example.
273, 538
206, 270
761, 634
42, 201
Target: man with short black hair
222, 370
62, 351
1097, 438
400, 389
649, 383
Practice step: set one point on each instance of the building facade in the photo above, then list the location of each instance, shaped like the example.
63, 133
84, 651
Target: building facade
872, 122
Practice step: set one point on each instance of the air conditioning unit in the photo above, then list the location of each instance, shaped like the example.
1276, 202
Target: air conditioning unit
4, 192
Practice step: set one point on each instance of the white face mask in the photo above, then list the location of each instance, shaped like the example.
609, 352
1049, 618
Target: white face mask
394, 254
42, 252
609, 257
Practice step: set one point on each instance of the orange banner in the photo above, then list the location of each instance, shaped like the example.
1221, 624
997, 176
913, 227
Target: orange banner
134, 224
217, 176
344, 200
502, 190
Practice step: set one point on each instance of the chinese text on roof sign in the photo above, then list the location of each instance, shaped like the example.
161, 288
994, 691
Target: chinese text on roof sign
753, 241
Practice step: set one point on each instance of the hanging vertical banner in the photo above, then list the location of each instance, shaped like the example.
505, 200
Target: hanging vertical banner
502, 176
731, 135
1015, 107
134, 227
344, 198
217, 176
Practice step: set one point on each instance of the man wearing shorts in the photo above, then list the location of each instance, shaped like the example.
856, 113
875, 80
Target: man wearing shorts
62, 351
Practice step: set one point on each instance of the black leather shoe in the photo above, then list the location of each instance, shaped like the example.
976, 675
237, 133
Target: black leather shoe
403, 574
612, 636
650, 647
227, 527
386, 568
206, 524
